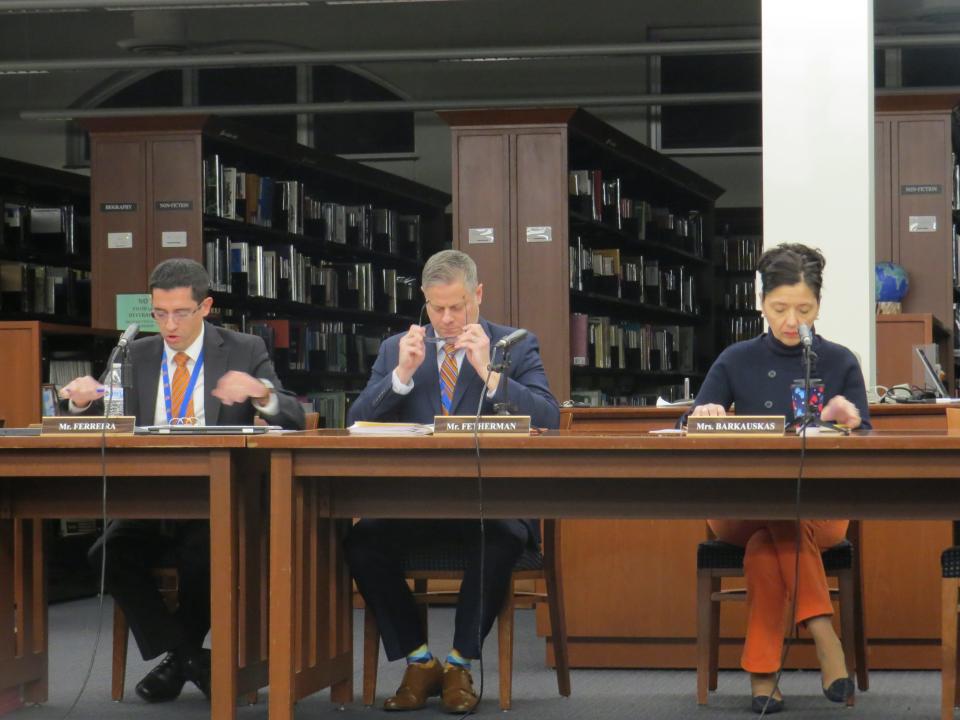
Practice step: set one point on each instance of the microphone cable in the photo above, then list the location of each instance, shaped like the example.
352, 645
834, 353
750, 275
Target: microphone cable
808, 355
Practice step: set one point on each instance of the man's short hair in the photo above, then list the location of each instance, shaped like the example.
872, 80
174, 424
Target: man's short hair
181, 272
450, 266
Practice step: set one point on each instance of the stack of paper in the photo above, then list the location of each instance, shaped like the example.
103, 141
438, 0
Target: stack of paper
385, 428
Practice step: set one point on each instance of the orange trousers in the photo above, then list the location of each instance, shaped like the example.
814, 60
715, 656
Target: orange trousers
769, 566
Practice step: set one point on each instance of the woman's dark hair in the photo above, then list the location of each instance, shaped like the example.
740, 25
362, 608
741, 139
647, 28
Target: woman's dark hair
788, 264
181, 272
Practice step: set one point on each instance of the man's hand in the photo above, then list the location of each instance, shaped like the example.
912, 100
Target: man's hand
238, 387
82, 391
841, 411
709, 410
412, 352
475, 341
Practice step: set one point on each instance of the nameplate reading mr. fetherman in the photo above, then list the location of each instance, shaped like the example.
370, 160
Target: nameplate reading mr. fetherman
488, 424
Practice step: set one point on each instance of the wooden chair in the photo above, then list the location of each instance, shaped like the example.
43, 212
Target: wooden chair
449, 565
717, 560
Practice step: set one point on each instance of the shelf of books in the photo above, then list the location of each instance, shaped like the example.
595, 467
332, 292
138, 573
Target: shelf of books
318, 255
739, 244
640, 267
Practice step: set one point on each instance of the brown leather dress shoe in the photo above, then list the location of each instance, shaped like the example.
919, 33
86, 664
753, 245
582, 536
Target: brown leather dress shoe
457, 695
420, 681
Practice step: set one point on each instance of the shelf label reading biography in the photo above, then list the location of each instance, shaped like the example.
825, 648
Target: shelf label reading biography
112, 207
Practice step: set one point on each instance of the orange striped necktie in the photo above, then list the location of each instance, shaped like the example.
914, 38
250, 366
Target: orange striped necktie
448, 377
181, 378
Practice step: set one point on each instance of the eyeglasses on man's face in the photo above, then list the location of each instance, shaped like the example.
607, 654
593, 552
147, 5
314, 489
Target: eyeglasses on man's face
179, 316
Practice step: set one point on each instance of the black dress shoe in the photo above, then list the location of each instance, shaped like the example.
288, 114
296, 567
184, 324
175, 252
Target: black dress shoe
196, 669
164, 682
840, 690
760, 702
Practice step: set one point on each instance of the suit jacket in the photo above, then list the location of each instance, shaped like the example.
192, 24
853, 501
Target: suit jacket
223, 350
525, 383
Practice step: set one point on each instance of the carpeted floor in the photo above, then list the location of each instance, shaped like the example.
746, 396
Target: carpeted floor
655, 694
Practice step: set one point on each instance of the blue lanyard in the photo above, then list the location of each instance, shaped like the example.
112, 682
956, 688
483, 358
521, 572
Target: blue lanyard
186, 395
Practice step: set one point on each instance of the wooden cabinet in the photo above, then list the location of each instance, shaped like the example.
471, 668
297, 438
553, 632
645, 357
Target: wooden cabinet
914, 192
897, 335
515, 214
25, 351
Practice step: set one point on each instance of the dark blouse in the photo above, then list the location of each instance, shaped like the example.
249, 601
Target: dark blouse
756, 376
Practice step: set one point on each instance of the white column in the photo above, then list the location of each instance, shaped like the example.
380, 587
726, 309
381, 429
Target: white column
818, 175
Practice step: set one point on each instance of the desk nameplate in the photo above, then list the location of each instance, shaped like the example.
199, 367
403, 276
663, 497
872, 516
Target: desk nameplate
750, 425
489, 425
88, 425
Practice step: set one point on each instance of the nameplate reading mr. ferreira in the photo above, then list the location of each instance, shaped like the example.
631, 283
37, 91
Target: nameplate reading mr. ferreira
736, 425
88, 425
488, 425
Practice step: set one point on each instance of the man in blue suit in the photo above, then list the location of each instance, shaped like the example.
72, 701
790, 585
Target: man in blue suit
441, 369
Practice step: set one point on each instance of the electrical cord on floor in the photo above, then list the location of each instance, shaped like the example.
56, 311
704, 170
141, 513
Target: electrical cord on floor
103, 574
796, 566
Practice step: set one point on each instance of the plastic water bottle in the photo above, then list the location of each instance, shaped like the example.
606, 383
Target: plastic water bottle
113, 392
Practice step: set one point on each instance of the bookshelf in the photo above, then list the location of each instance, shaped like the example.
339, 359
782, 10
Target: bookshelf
318, 255
738, 246
44, 244
600, 245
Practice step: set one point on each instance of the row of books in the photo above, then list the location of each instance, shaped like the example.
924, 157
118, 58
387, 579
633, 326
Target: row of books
54, 230
44, 289
740, 295
635, 278
597, 341
956, 182
249, 269
330, 404
602, 200
593, 397
741, 327
234, 194
741, 254
65, 367
334, 347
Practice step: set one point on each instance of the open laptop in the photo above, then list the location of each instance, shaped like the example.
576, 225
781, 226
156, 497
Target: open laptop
932, 376
205, 429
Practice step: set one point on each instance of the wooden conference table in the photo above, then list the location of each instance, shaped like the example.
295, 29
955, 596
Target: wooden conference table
148, 477
321, 479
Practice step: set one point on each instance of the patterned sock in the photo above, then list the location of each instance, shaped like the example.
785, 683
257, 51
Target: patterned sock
455, 658
420, 655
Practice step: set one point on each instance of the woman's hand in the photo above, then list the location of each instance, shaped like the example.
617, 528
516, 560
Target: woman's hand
841, 411
710, 410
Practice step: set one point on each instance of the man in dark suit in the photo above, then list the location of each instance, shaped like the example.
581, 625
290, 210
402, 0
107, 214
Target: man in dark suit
427, 371
206, 375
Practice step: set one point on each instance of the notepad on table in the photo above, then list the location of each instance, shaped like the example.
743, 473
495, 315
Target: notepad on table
363, 427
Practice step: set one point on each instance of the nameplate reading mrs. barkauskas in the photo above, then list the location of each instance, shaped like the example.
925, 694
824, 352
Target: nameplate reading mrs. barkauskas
736, 425
88, 425
488, 425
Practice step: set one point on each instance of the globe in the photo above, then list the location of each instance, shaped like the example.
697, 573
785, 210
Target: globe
892, 282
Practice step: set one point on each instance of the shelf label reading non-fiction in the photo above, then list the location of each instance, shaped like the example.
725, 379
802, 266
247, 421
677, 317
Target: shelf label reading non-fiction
135, 308
174, 205
119, 240
480, 236
921, 189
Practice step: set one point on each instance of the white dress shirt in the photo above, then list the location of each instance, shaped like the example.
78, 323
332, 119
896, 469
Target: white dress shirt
160, 412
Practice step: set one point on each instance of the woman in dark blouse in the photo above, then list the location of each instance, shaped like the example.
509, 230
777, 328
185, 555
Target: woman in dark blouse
756, 376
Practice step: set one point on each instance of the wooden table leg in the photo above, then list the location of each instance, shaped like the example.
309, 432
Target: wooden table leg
282, 680
32, 600
9, 684
341, 691
223, 587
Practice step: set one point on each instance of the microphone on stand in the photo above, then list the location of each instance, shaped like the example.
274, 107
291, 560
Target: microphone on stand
806, 337
129, 334
511, 339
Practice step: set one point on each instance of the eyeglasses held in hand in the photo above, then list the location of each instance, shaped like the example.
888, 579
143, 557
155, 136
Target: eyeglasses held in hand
433, 339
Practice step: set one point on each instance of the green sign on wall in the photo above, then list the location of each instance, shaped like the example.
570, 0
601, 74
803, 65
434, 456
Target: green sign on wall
135, 308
